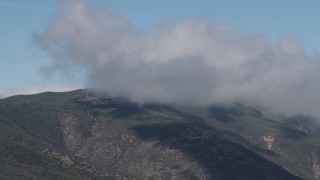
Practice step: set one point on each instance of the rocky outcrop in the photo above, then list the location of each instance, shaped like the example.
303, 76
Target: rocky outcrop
268, 140
68, 124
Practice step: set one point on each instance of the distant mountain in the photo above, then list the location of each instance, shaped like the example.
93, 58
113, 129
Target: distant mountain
74, 135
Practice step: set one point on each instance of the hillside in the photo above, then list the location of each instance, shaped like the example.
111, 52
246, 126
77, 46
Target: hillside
75, 135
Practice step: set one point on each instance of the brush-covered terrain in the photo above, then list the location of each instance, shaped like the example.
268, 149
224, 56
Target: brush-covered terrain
77, 135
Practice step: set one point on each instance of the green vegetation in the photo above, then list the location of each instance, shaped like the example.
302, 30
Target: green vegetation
72, 136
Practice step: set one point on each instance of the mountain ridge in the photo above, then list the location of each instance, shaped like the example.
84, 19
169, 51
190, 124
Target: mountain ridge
74, 135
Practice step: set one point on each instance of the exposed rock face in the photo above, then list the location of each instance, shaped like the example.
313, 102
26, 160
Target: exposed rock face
315, 166
68, 124
269, 140
65, 159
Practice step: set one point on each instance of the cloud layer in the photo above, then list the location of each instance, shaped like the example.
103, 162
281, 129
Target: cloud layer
192, 61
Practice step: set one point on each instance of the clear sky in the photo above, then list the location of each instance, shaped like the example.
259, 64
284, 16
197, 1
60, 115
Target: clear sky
21, 61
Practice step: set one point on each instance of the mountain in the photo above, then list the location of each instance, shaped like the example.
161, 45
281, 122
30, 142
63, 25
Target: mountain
77, 135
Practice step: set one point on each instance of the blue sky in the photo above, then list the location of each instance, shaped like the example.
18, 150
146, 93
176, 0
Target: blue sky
21, 60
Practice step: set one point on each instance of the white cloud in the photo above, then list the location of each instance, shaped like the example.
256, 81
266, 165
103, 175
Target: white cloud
192, 61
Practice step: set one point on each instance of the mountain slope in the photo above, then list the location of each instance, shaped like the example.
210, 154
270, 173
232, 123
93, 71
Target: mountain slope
73, 135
